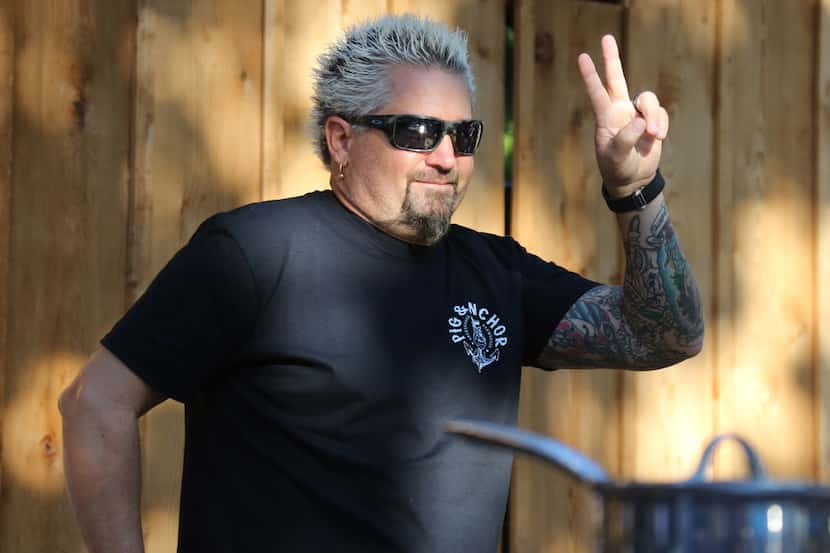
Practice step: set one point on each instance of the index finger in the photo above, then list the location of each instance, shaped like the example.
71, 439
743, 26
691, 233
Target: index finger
593, 85
614, 76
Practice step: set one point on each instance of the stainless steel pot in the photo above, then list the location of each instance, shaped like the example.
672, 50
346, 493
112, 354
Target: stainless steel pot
756, 515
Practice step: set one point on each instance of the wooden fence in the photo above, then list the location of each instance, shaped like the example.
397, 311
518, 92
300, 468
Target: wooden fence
746, 85
124, 123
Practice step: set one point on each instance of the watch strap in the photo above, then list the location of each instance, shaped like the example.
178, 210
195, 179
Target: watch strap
639, 199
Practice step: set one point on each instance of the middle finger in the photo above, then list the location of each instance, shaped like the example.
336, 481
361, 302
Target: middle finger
614, 77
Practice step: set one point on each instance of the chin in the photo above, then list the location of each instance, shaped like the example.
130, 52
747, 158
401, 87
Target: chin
427, 228
428, 212
440, 202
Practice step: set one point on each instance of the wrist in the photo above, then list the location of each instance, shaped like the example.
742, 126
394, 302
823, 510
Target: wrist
639, 199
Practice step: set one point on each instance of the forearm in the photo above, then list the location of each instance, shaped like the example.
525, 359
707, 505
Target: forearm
653, 320
660, 298
103, 476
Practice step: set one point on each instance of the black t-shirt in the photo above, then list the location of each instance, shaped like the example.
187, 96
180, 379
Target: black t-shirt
319, 358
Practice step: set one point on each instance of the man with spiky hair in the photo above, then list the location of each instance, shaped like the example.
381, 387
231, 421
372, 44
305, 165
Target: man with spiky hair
320, 344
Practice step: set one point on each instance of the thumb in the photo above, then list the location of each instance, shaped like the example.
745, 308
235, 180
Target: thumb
627, 138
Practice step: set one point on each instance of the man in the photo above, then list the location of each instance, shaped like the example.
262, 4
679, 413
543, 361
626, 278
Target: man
320, 344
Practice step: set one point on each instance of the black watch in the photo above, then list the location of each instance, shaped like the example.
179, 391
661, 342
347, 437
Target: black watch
637, 200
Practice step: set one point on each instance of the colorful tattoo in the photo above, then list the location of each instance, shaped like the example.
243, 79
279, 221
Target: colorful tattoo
655, 319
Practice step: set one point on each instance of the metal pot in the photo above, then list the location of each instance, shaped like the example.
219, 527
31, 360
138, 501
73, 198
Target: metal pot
756, 515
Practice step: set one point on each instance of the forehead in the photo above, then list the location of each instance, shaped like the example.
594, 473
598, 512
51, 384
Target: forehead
428, 91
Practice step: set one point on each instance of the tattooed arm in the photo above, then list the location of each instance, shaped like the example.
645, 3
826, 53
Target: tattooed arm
653, 320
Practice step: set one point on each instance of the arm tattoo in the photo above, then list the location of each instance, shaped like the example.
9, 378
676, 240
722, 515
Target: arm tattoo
655, 319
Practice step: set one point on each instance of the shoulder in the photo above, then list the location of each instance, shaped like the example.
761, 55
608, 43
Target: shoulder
267, 215
263, 228
504, 250
265, 232
472, 242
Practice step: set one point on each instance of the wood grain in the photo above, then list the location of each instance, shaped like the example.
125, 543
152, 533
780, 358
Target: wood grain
300, 169
273, 70
7, 69
68, 211
766, 294
822, 69
669, 414
559, 214
207, 102
198, 150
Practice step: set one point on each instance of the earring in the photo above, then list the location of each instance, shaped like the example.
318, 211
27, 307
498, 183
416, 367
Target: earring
341, 175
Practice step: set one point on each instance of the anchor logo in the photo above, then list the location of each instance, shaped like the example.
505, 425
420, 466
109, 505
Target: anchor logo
481, 332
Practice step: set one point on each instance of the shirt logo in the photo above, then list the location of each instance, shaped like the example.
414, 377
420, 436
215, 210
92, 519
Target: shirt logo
480, 331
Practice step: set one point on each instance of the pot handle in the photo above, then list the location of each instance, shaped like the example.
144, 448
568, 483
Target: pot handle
756, 469
571, 461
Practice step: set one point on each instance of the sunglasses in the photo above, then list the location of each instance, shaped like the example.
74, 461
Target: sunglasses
416, 133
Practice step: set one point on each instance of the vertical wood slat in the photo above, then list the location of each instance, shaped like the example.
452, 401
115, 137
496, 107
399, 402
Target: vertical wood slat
765, 284
273, 70
668, 414
822, 68
300, 170
68, 209
7, 69
559, 214
292, 44
484, 23
198, 151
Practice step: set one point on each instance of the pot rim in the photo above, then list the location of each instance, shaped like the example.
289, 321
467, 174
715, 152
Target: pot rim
758, 486
721, 490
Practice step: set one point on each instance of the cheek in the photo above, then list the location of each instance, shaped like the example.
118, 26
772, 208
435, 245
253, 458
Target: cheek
395, 169
380, 163
465, 168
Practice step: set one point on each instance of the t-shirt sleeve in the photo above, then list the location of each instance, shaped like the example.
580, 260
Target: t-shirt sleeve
192, 319
549, 292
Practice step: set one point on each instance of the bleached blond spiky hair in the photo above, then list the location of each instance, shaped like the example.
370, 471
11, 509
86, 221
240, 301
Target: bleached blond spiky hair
350, 79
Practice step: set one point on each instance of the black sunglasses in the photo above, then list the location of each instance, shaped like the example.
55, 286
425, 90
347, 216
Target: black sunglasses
417, 133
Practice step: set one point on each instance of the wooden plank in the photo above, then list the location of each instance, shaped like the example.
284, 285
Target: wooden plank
301, 170
822, 68
669, 414
197, 151
559, 214
273, 125
305, 30
484, 21
7, 66
766, 292
71, 102
352, 13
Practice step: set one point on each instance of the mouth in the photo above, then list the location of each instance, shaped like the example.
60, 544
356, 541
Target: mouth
436, 183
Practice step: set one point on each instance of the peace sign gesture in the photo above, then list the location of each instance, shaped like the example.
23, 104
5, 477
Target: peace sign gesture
628, 139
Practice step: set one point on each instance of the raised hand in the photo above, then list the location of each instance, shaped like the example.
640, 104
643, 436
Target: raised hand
628, 138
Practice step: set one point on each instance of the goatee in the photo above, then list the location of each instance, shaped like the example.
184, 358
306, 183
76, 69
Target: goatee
431, 226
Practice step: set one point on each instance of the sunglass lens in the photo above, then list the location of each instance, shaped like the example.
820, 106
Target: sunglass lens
467, 136
415, 133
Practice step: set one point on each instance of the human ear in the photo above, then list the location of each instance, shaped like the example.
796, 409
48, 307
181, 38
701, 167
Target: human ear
338, 138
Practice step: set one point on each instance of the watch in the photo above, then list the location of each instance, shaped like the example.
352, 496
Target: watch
637, 200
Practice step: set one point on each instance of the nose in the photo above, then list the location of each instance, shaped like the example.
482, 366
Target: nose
442, 157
